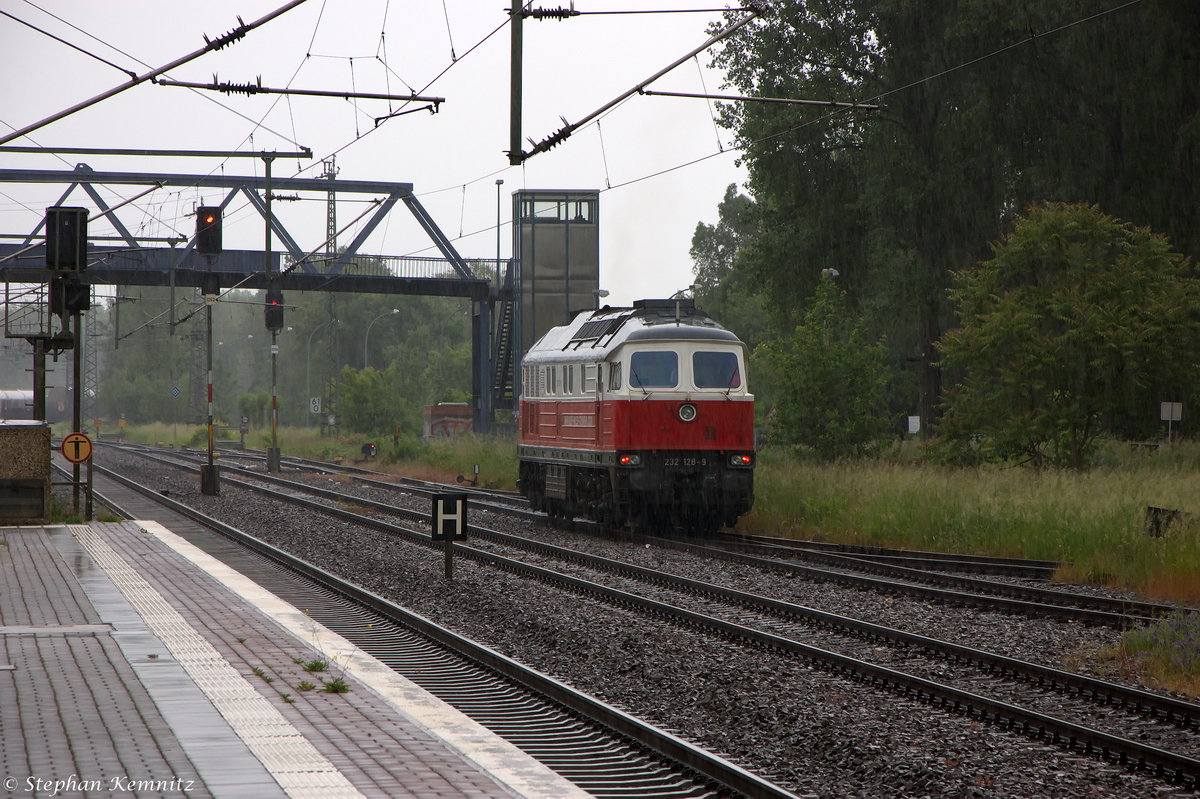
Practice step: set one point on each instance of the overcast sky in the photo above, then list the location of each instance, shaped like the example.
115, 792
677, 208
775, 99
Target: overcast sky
453, 158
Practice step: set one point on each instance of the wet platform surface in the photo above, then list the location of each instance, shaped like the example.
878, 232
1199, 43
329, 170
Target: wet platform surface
133, 664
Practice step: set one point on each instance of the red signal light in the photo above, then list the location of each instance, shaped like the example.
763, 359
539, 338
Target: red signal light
208, 230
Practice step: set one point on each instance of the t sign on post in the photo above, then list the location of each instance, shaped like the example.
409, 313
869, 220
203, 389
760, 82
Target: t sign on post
77, 448
449, 520
314, 404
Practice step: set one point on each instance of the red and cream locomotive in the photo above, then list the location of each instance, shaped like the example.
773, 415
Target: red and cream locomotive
639, 417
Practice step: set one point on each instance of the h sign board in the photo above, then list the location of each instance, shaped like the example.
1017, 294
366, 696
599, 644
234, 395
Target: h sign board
1170, 411
449, 517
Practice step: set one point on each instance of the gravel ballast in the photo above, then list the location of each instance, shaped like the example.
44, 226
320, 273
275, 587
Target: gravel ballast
816, 734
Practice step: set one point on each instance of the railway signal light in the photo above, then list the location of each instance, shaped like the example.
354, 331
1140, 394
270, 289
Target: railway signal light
66, 238
273, 310
68, 296
208, 230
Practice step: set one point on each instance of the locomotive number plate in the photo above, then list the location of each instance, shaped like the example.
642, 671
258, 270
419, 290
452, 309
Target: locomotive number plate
685, 461
577, 420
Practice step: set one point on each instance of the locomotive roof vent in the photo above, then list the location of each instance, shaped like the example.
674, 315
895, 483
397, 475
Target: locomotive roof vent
687, 304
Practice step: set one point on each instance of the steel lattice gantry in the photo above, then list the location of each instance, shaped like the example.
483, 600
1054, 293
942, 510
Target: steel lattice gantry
136, 265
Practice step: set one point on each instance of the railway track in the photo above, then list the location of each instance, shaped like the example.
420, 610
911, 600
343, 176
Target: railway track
913, 559
769, 624
1015, 598
607, 752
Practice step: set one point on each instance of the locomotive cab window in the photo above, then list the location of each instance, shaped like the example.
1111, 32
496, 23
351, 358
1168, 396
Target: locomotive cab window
658, 369
716, 370
614, 377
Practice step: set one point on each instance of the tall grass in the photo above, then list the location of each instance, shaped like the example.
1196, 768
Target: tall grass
1092, 520
495, 457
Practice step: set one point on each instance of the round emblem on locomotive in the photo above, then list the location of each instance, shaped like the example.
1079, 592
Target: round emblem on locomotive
687, 412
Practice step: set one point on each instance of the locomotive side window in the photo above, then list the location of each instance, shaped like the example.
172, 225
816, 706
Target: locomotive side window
552, 384
589, 378
614, 377
715, 370
569, 379
654, 369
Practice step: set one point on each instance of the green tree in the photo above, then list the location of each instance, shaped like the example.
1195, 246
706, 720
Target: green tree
831, 380
727, 293
980, 115
367, 404
1077, 326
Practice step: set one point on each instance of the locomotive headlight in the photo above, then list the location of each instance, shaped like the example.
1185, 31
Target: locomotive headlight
687, 412
630, 460
741, 460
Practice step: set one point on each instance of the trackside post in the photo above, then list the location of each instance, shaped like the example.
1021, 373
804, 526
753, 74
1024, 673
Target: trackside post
449, 524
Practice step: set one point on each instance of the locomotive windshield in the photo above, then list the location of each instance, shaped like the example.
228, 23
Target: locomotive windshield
715, 370
654, 370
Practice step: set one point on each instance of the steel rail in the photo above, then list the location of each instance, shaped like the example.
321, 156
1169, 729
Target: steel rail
865, 549
1115, 616
1112, 748
1118, 607
675, 749
1173, 711
912, 558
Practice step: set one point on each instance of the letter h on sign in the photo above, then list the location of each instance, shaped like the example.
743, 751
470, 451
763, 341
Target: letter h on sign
449, 517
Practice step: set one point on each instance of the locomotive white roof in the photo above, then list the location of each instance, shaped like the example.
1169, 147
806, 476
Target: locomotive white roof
591, 335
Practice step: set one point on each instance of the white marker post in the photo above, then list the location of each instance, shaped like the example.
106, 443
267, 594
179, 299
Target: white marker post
1170, 412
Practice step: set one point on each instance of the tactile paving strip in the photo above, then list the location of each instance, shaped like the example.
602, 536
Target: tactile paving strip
299, 768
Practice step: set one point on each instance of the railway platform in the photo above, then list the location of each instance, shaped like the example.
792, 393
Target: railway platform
134, 664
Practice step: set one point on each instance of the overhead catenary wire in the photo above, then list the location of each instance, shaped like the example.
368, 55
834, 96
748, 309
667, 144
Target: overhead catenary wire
76, 47
742, 146
711, 113
209, 46
560, 135
449, 33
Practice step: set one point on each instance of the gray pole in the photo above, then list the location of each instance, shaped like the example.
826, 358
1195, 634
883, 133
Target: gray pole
274, 399
208, 321
308, 374
273, 453
77, 401
517, 15
210, 479
39, 379
499, 183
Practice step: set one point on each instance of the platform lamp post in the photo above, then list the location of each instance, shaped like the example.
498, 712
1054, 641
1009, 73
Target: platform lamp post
308, 373
442, 334
367, 335
499, 183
